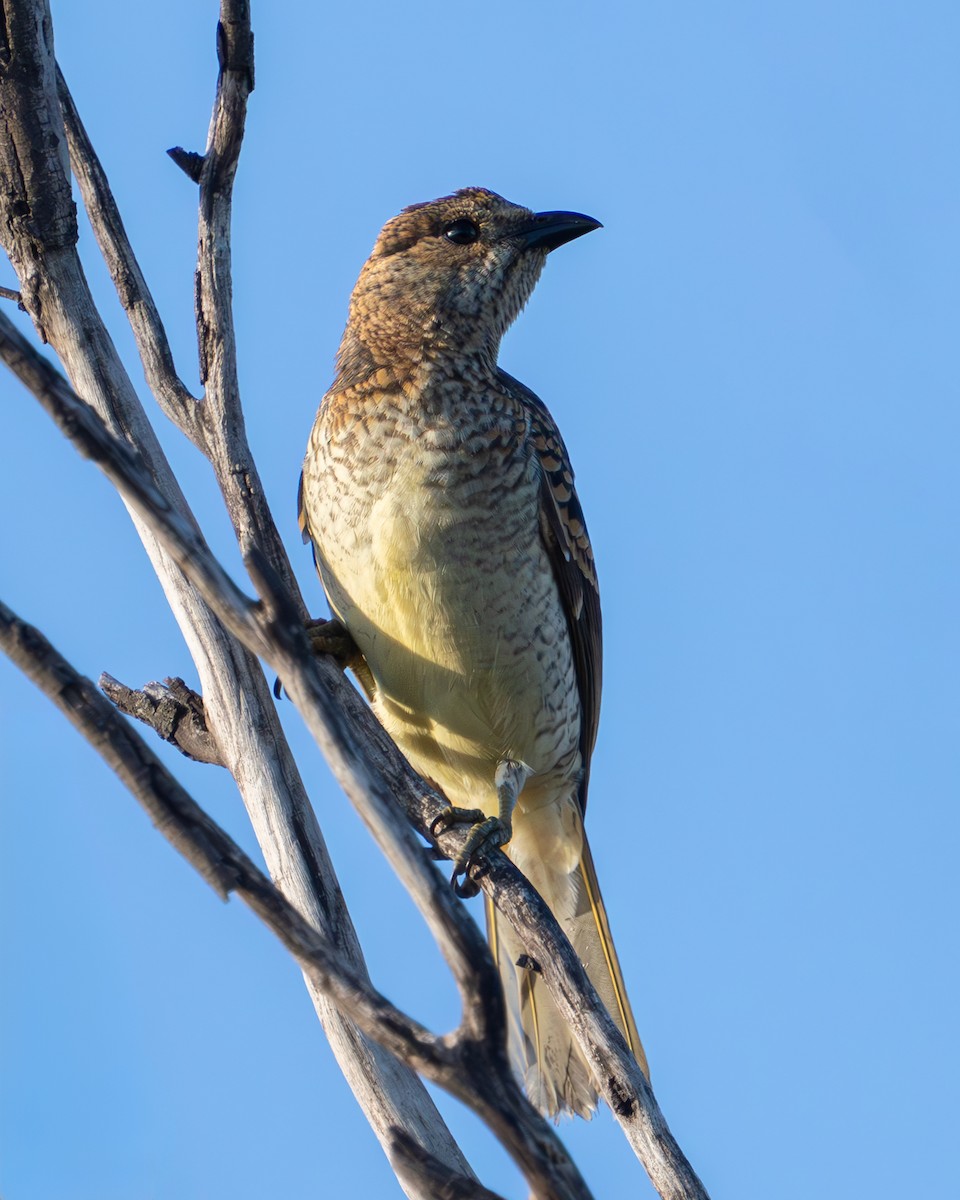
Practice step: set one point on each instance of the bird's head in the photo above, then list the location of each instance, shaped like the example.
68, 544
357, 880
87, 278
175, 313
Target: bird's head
454, 273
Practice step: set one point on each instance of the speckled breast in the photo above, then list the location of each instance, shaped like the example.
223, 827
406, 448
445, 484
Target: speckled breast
428, 544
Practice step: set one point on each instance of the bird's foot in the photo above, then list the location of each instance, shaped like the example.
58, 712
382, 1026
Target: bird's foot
452, 815
486, 833
331, 637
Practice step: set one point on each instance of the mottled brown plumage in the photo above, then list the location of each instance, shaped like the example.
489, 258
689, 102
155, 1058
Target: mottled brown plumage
450, 541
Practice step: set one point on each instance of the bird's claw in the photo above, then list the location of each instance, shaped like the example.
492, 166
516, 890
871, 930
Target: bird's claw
332, 637
327, 637
464, 884
451, 816
487, 833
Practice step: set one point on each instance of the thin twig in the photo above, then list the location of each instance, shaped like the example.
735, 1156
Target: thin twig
11, 294
216, 423
225, 441
172, 394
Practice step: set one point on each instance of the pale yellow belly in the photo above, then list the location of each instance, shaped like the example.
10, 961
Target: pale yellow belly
466, 639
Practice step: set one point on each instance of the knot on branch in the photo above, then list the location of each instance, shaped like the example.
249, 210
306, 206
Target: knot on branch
174, 711
623, 1103
188, 161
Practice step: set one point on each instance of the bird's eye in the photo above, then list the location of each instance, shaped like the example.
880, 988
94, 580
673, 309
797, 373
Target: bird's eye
461, 232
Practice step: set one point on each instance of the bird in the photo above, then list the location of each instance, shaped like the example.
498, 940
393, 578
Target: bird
439, 499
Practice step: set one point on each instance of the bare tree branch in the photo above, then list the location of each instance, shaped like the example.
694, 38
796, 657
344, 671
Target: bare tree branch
134, 294
204, 844
38, 229
473, 1068
216, 424
226, 438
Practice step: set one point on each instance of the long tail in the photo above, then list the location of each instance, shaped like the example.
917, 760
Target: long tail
556, 1076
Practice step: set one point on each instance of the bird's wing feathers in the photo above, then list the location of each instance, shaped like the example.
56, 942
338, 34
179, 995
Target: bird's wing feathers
571, 557
302, 512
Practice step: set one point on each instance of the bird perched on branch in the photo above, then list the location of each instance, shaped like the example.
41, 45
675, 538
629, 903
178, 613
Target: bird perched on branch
450, 542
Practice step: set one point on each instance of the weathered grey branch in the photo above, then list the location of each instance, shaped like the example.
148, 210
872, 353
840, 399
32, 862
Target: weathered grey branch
42, 216
216, 424
38, 230
158, 367
226, 437
470, 1063
205, 845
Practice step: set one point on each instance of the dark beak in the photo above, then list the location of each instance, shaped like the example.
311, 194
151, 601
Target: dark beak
548, 230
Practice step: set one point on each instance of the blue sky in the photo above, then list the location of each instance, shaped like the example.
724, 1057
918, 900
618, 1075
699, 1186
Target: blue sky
755, 371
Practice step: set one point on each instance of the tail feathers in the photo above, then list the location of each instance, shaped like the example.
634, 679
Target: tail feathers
608, 980
556, 1076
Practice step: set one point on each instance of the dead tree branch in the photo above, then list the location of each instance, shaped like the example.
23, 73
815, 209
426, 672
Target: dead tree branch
171, 393
216, 423
470, 1063
38, 230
